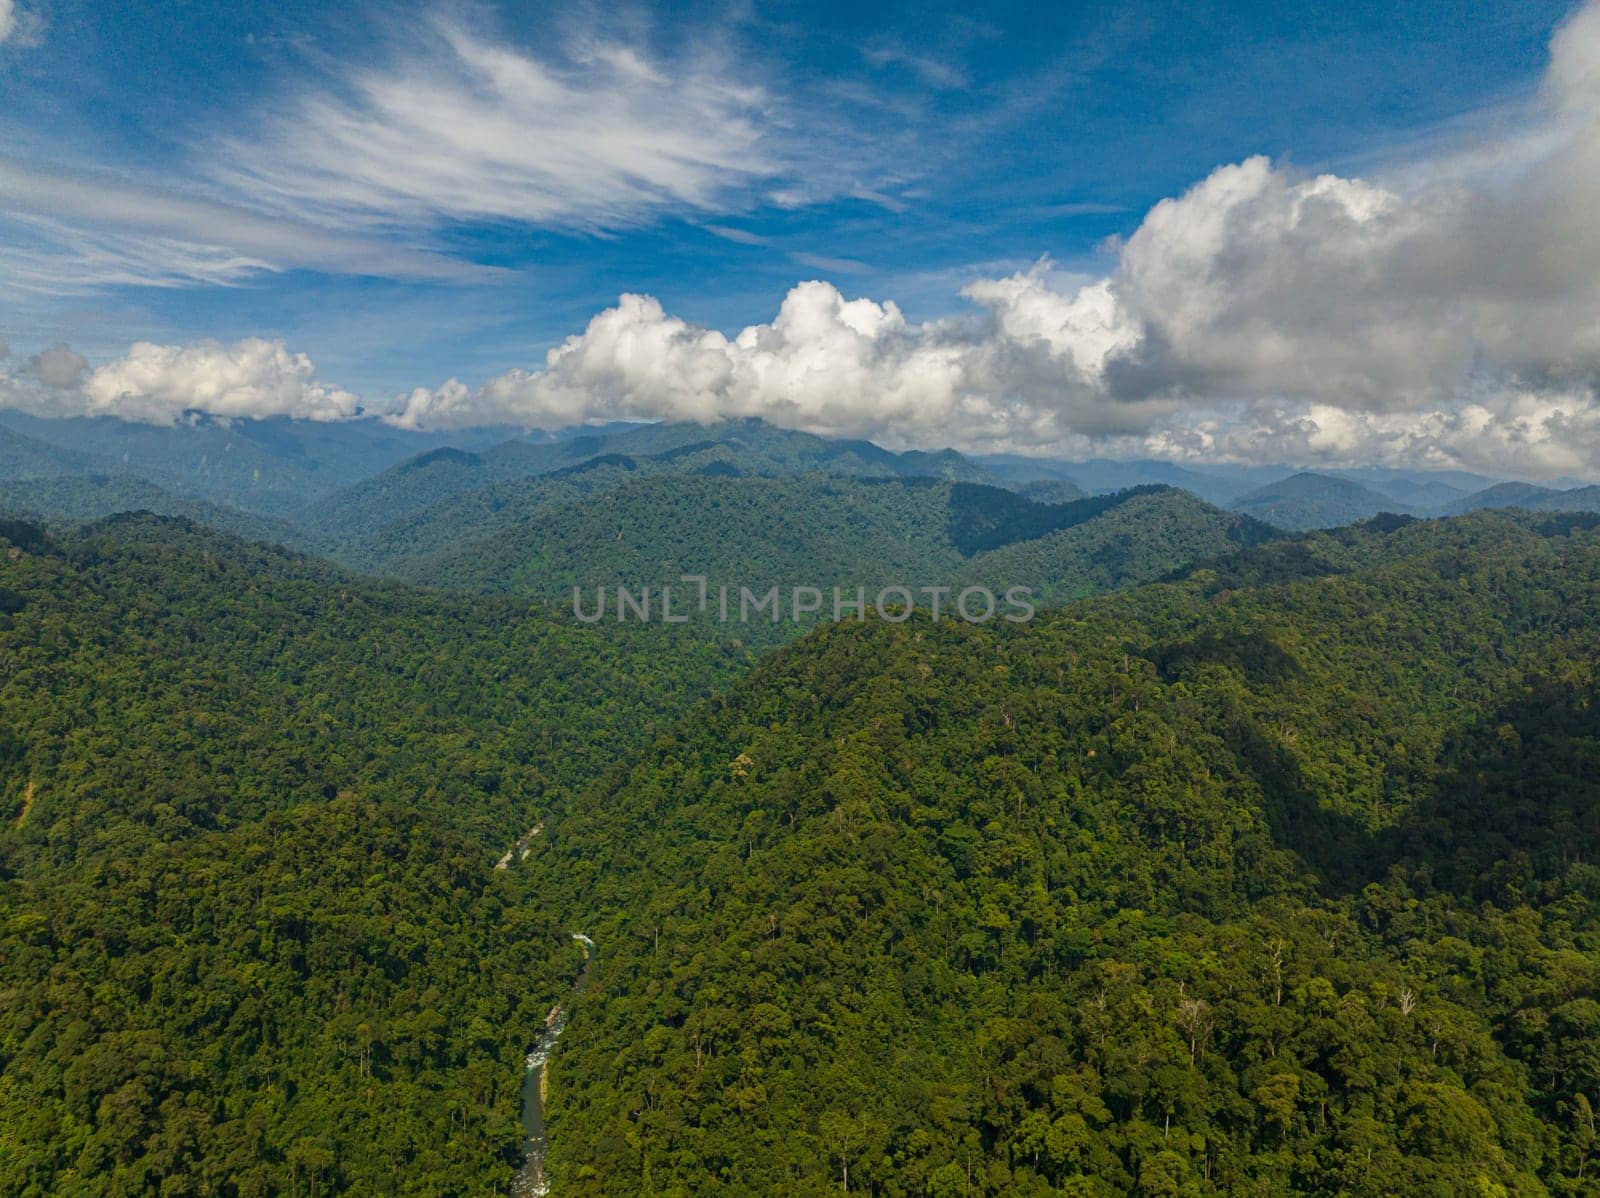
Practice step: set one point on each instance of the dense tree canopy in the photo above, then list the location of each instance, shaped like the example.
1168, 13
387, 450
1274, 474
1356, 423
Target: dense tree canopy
1215, 886
1274, 877
253, 939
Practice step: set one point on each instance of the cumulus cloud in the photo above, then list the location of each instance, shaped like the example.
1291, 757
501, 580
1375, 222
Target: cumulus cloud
8, 19
58, 368
1509, 431
827, 364
253, 378
457, 126
1259, 283
163, 384
1447, 313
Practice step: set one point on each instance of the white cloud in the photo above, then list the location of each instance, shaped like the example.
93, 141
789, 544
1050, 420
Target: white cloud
833, 266
360, 171
163, 384
19, 26
1441, 311
824, 363
252, 379
58, 368
1444, 313
1513, 431
71, 233
740, 236
458, 127
1261, 284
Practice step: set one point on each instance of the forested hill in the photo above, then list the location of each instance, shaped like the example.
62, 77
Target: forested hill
253, 942
391, 506
1275, 879
823, 531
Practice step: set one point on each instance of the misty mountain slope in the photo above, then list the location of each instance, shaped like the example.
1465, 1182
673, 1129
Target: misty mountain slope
1526, 495
357, 513
1307, 501
1219, 485
1050, 490
766, 531
89, 497
1132, 899
270, 467
1532, 498
1412, 494
23, 457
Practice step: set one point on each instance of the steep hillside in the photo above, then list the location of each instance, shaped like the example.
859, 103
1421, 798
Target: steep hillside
1203, 888
251, 936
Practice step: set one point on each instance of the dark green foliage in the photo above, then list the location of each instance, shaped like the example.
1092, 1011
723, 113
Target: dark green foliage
1284, 888
402, 512
820, 531
253, 942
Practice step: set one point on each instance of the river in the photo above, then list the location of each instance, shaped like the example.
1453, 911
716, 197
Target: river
530, 1181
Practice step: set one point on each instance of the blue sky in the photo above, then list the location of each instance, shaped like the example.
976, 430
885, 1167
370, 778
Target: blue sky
411, 195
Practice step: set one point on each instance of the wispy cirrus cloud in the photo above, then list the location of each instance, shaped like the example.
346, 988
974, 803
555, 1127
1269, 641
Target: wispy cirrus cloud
453, 125
18, 26
837, 266
737, 236
71, 231
366, 171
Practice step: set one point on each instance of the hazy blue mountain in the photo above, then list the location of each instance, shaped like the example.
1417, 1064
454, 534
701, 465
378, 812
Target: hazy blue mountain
1215, 484
1380, 478
1307, 500
24, 457
1577, 499
1528, 496
1412, 493
269, 466
79, 499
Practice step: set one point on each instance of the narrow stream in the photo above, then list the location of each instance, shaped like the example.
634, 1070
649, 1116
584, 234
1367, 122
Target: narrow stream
530, 1181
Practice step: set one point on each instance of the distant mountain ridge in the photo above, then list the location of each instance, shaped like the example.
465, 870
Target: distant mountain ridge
376, 496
